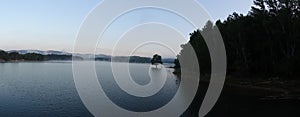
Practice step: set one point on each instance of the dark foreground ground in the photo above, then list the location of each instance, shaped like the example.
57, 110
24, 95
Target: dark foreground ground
262, 98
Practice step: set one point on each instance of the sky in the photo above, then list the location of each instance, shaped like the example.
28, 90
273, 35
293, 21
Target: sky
53, 24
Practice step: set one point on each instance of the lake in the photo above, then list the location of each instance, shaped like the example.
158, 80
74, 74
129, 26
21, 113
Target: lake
48, 89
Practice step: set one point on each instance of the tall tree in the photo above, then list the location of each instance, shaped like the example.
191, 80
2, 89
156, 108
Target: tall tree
156, 59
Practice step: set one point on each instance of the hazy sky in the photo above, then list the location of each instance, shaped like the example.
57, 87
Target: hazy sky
53, 24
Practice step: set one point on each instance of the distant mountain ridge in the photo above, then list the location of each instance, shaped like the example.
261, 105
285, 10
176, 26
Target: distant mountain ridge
48, 52
61, 55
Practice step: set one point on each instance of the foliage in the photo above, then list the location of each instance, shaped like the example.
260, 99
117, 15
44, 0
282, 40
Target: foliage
138, 59
4, 55
57, 57
265, 42
177, 64
15, 56
156, 59
33, 57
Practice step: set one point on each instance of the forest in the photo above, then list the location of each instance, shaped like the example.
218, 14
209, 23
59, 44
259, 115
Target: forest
264, 43
263, 60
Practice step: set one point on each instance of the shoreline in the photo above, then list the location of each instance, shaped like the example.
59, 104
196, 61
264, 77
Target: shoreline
167, 65
264, 89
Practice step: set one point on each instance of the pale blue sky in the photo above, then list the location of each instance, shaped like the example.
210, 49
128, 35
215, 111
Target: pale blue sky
53, 24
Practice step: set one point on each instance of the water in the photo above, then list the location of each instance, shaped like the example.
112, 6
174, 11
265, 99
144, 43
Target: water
48, 89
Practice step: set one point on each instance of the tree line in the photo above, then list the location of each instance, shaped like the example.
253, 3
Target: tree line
265, 42
15, 56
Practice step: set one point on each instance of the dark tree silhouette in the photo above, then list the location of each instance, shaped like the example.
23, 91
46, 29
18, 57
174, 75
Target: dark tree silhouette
261, 45
176, 63
4, 55
156, 60
15, 56
265, 42
33, 57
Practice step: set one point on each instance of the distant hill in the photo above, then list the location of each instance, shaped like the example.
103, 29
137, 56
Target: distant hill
39, 55
35, 55
49, 52
131, 59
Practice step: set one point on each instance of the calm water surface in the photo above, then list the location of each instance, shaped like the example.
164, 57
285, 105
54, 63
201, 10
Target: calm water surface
48, 89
